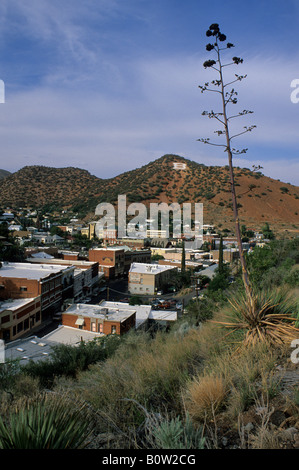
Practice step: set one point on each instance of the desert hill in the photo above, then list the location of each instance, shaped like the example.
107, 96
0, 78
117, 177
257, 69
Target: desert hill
4, 174
170, 178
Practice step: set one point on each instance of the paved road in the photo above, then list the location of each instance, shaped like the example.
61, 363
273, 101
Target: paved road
118, 290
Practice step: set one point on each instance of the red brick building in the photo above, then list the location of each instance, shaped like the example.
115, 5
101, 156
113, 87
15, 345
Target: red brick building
97, 319
111, 261
27, 281
19, 317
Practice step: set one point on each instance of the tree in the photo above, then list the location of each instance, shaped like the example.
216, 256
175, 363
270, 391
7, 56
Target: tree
183, 264
227, 98
220, 261
267, 232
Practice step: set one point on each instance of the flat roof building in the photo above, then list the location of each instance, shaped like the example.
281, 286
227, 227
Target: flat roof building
146, 279
19, 317
99, 319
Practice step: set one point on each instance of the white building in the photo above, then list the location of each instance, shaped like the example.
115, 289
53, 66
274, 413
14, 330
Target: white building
146, 279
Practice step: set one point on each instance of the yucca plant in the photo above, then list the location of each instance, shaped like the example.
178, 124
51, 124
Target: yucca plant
47, 422
175, 434
268, 317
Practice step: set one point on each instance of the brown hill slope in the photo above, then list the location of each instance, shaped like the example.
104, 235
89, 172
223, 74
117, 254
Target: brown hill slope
261, 199
38, 186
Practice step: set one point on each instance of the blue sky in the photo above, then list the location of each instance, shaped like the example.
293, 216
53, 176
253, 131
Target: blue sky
109, 85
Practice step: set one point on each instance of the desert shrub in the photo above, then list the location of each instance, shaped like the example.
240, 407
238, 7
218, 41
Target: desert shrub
292, 278
151, 371
47, 422
177, 434
269, 317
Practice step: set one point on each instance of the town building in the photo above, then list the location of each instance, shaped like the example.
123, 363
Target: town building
111, 260
86, 275
145, 314
30, 280
229, 254
19, 317
136, 256
96, 318
147, 279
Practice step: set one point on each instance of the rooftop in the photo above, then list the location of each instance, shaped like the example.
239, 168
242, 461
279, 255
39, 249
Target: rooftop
142, 311
108, 248
37, 349
28, 270
145, 268
62, 262
118, 314
14, 304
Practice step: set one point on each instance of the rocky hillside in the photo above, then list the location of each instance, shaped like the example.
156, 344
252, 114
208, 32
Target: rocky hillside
168, 179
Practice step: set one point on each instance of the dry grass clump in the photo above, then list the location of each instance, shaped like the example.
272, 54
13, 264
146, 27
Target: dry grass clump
205, 397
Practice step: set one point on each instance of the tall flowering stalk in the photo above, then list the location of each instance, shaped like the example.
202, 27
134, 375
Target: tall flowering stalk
226, 98
266, 316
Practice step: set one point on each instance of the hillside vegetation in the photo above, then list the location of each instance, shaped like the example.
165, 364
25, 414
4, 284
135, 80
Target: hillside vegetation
260, 198
193, 387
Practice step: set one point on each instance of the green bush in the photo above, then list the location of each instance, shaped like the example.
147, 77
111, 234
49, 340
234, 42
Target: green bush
47, 422
67, 360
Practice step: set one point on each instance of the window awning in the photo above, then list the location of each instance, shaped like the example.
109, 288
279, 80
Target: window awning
79, 321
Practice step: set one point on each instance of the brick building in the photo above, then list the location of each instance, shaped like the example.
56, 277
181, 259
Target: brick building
111, 261
26, 281
19, 317
99, 319
86, 276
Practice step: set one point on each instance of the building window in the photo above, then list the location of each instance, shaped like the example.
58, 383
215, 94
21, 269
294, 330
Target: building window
23, 288
93, 327
101, 329
113, 329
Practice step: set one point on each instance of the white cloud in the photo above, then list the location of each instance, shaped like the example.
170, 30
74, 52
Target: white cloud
154, 109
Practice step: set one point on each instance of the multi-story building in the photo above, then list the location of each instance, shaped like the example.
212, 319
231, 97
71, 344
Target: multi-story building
136, 256
19, 317
111, 260
26, 281
147, 279
86, 276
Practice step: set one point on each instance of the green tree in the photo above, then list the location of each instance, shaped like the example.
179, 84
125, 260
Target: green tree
183, 262
267, 232
220, 261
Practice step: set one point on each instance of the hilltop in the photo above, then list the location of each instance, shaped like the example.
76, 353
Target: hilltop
261, 199
4, 174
